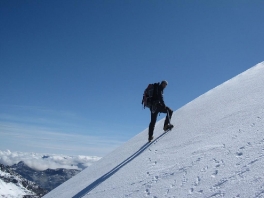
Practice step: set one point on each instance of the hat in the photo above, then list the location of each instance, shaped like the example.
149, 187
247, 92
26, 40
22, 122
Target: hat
164, 81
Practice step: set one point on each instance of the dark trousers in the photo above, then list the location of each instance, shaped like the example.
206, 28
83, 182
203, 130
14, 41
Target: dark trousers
160, 109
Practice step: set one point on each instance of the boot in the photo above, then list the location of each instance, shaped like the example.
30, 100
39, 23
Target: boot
167, 127
150, 138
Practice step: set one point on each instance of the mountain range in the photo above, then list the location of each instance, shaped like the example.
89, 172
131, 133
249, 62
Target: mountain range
46, 171
47, 179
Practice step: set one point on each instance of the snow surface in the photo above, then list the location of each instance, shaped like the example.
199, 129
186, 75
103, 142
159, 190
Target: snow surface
216, 149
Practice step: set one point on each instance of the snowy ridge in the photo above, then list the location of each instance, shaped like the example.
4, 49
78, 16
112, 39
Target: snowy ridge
216, 149
13, 185
9, 189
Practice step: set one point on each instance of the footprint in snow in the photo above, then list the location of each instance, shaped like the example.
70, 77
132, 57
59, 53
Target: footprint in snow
197, 182
239, 154
147, 192
174, 184
218, 163
191, 190
214, 174
204, 169
156, 178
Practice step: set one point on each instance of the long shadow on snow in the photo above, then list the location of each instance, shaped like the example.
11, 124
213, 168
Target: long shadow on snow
114, 170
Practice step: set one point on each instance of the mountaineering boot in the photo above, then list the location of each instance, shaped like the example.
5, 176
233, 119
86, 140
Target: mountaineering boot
167, 127
150, 138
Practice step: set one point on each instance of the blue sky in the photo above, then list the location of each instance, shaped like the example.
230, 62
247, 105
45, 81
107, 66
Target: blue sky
73, 72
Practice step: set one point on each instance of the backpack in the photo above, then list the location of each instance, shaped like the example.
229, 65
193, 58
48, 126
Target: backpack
149, 94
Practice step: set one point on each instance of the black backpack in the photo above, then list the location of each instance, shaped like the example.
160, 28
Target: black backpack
149, 95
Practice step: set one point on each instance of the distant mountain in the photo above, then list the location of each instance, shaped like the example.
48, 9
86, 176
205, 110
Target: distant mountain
47, 179
14, 185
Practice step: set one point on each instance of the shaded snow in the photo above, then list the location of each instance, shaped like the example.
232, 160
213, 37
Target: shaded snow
216, 149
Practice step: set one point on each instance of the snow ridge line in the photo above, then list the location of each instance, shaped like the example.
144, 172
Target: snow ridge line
100, 180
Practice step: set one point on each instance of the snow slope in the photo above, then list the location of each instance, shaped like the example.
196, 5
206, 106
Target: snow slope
216, 149
12, 189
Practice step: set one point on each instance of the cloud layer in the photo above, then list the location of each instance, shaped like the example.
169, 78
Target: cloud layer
39, 161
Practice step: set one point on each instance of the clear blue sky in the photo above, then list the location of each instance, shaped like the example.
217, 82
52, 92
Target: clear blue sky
73, 72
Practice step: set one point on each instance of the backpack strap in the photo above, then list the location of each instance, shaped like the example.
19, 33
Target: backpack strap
155, 91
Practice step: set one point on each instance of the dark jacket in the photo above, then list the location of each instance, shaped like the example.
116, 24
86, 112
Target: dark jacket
158, 94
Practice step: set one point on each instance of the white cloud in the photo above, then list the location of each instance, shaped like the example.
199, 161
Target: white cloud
44, 161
